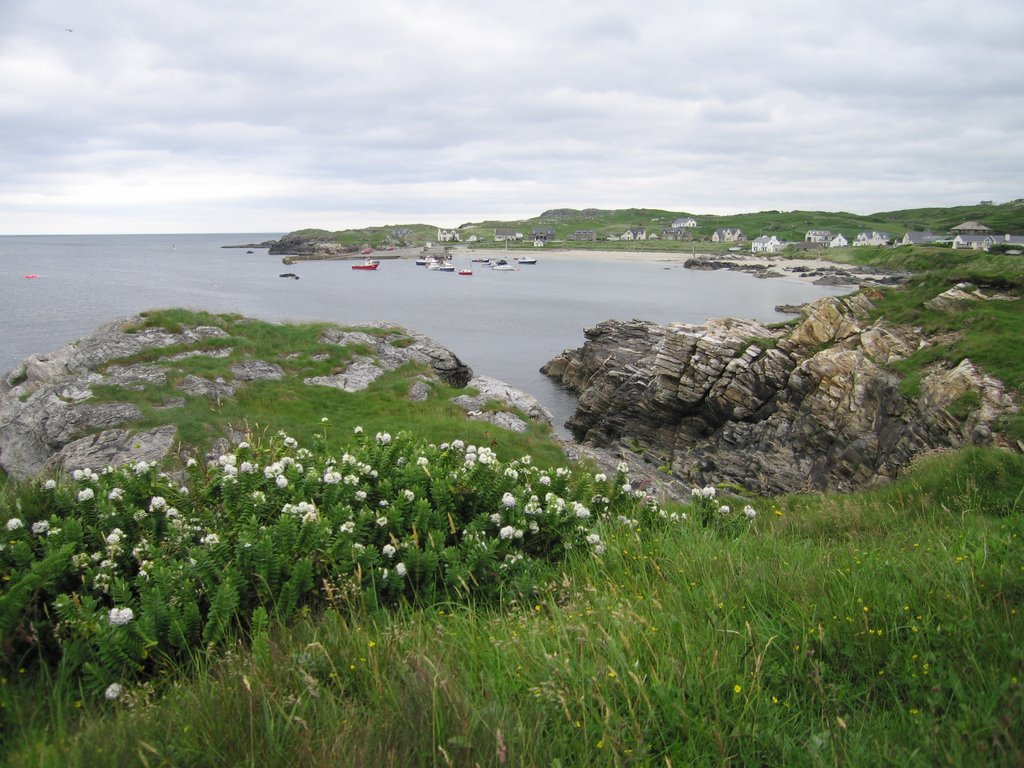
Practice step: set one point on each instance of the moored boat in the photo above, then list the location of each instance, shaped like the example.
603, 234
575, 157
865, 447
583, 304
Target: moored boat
367, 264
526, 260
465, 271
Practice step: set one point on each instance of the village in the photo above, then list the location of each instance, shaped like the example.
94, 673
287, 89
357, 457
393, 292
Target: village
972, 235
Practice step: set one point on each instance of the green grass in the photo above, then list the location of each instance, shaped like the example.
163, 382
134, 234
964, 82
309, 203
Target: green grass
878, 628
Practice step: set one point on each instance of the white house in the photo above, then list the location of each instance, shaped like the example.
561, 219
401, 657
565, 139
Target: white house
839, 241
871, 238
448, 235
973, 242
687, 221
634, 233
818, 236
766, 244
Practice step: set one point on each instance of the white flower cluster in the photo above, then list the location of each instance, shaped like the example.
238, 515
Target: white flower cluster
120, 616
14, 524
707, 492
84, 474
304, 509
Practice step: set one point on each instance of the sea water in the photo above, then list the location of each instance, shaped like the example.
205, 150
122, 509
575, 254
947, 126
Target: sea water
502, 324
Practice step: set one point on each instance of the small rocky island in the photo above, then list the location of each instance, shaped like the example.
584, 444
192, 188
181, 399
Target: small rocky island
814, 406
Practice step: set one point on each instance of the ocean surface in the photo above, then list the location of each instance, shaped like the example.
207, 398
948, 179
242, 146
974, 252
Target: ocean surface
503, 324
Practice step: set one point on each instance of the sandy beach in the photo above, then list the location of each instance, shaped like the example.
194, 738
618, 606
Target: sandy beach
763, 266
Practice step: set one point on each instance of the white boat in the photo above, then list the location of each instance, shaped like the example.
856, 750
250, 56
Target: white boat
502, 266
526, 260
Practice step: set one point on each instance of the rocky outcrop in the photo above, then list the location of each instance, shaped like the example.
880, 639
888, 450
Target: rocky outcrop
812, 407
51, 417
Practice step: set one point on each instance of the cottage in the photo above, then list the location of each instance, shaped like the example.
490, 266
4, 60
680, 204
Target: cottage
677, 233
543, 234
919, 238
448, 235
583, 234
817, 236
971, 228
728, 235
766, 244
839, 241
634, 233
507, 234
973, 242
871, 238
687, 222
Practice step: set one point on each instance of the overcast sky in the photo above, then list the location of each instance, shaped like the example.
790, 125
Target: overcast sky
269, 116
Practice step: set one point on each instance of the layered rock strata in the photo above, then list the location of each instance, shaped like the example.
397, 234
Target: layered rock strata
815, 406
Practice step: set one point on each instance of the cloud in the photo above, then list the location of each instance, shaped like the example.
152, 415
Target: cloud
266, 116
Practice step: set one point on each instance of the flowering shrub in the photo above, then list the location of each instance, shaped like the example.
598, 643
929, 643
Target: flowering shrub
127, 572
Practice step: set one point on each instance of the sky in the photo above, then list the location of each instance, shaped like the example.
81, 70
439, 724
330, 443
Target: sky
153, 116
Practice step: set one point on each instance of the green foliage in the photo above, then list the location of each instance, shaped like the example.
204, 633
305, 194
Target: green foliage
113, 576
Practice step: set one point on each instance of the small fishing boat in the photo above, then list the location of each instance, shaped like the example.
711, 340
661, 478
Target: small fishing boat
465, 271
367, 264
502, 266
526, 260
31, 277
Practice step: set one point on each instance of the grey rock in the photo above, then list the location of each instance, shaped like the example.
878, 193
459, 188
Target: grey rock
257, 370
201, 387
812, 408
359, 375
115, 447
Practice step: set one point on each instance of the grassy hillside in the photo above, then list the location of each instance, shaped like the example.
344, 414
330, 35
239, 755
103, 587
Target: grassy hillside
787, 225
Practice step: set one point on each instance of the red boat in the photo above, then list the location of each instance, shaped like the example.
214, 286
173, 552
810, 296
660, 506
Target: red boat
465, 271
367, 264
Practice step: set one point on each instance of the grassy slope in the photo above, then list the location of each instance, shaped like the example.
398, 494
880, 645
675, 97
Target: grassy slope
787, 225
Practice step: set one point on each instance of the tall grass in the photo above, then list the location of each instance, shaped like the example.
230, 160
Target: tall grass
871, 629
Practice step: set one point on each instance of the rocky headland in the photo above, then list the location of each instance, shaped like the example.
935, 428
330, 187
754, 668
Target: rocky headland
812, 406
53, 419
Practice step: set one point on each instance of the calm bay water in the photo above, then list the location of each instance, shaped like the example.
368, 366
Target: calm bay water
503, 324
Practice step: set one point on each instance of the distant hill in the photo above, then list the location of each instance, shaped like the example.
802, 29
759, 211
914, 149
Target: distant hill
787, 225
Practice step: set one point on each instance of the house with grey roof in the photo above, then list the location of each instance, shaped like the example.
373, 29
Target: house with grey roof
971, 228
507, 234
448, 235
973, 242
676, 233
634, 233
686, 221
871, 238
919, 238
583, 234
817, 236
728, 235
542, 234
766, 244
839, 241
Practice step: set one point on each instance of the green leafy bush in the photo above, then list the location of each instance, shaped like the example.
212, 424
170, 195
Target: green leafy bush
127, 573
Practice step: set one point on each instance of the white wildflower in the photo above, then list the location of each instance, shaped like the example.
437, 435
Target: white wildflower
50, 484
157, 503
113, 692
749, 512
121, 616
116, 494
282, 481
387, 550
600, 477
383, 438
40, 527
507, 532
400, 570
86, 494
382, 521
409, 495
422, 461
508, 500
210, 539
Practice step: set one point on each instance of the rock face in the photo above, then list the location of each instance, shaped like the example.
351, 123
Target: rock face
51, 419
815, 407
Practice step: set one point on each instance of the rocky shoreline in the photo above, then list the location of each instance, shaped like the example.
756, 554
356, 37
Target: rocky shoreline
816, 407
